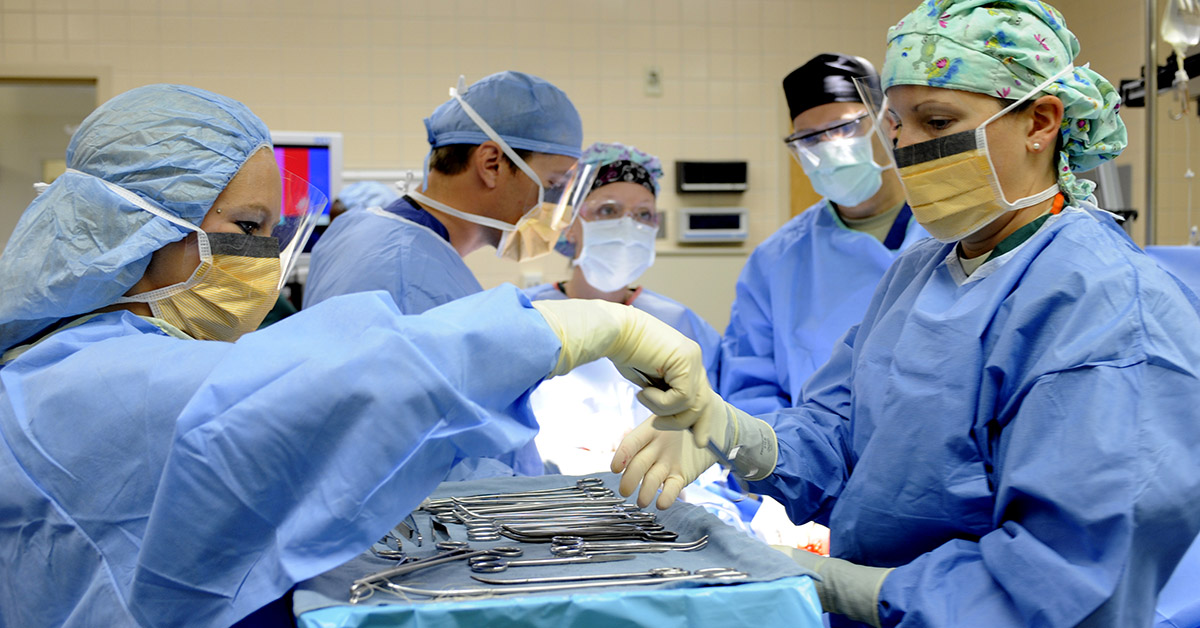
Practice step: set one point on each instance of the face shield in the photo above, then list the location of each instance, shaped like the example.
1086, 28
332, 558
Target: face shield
302, 204
537, 231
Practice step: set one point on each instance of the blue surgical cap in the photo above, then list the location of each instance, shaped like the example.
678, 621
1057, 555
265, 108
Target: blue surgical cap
364, 194
527, 112
79, 246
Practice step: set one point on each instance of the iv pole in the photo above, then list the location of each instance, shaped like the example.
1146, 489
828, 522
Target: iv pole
1151, 85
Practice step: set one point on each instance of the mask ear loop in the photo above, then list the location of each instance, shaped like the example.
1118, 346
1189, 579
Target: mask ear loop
982, 144
140, 203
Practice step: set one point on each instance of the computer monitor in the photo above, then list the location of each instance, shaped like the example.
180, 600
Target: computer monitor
316, 156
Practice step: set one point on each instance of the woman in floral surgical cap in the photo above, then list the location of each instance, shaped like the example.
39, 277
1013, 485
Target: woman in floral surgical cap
1008, 438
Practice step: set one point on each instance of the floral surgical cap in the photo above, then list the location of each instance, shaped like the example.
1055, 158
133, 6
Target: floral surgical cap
1006, 49
610, 158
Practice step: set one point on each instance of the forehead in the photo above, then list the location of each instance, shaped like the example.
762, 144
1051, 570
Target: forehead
910, 97
623, 192
826, 115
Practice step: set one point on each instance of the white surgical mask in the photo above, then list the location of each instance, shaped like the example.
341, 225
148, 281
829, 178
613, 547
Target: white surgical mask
843, 170
615, 252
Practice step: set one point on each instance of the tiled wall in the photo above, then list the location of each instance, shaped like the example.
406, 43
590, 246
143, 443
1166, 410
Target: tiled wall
373, 68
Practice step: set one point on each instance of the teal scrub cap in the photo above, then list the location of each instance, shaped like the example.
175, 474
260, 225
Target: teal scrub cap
1006, 49
79, 245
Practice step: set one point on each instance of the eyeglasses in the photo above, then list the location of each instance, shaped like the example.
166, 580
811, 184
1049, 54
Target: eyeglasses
613, 210
851, 128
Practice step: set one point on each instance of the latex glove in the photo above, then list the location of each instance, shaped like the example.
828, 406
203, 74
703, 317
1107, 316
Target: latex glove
668, 460
658, 459
844, 587
636, 342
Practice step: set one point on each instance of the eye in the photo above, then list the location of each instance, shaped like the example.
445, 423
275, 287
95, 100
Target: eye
248, 227
646, 216
939, 124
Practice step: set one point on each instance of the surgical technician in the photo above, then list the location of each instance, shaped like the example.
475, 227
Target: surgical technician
584, 415
486, 185
494, 150
804, 286
1009, 436
158, 470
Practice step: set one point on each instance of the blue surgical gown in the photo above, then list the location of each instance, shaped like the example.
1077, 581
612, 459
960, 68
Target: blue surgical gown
156, 481
667, 310
404, 250
800, 290
1021, 445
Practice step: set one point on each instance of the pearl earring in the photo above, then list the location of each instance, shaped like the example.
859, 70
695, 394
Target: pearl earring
1037, 146
218, 211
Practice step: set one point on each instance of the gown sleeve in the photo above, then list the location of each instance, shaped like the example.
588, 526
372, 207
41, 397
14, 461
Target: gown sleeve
1088, 523
311, 438
815, 456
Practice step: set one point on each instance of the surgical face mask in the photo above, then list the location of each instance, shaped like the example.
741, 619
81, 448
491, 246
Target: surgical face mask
951, 181
842, 170
536, 233
229, 293
615, 252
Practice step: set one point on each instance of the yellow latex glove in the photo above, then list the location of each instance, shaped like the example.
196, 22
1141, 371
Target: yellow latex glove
636, 342
668, 460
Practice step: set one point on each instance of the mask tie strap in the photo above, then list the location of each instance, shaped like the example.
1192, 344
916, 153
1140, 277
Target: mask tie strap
495, 137
479, 220
143, 204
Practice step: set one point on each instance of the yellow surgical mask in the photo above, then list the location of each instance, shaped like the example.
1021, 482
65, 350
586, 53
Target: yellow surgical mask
230, 292
951, 183
534, 235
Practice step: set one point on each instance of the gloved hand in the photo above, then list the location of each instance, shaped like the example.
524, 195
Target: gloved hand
670, 460
844, 587
657, 458
639, 345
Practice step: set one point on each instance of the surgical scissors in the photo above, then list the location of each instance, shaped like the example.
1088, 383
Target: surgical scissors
719, 573
657, 572
494, 564
577, 546
610, 532
451, 551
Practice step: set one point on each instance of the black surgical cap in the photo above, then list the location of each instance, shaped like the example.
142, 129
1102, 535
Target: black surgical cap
824, 79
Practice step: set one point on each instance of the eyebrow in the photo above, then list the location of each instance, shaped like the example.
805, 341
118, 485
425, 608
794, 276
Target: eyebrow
918, 106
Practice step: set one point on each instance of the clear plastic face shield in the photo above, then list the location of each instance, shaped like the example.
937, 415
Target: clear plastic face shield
536, 233
301, 206
807, 148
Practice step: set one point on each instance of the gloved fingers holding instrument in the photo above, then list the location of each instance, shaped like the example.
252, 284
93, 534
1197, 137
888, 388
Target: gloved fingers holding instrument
663, 461
643, 348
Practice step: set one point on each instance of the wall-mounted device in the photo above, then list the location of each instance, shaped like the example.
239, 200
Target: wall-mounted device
710, 176
713, 224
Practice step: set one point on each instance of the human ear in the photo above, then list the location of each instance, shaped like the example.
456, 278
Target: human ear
1045, 116
486, 161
